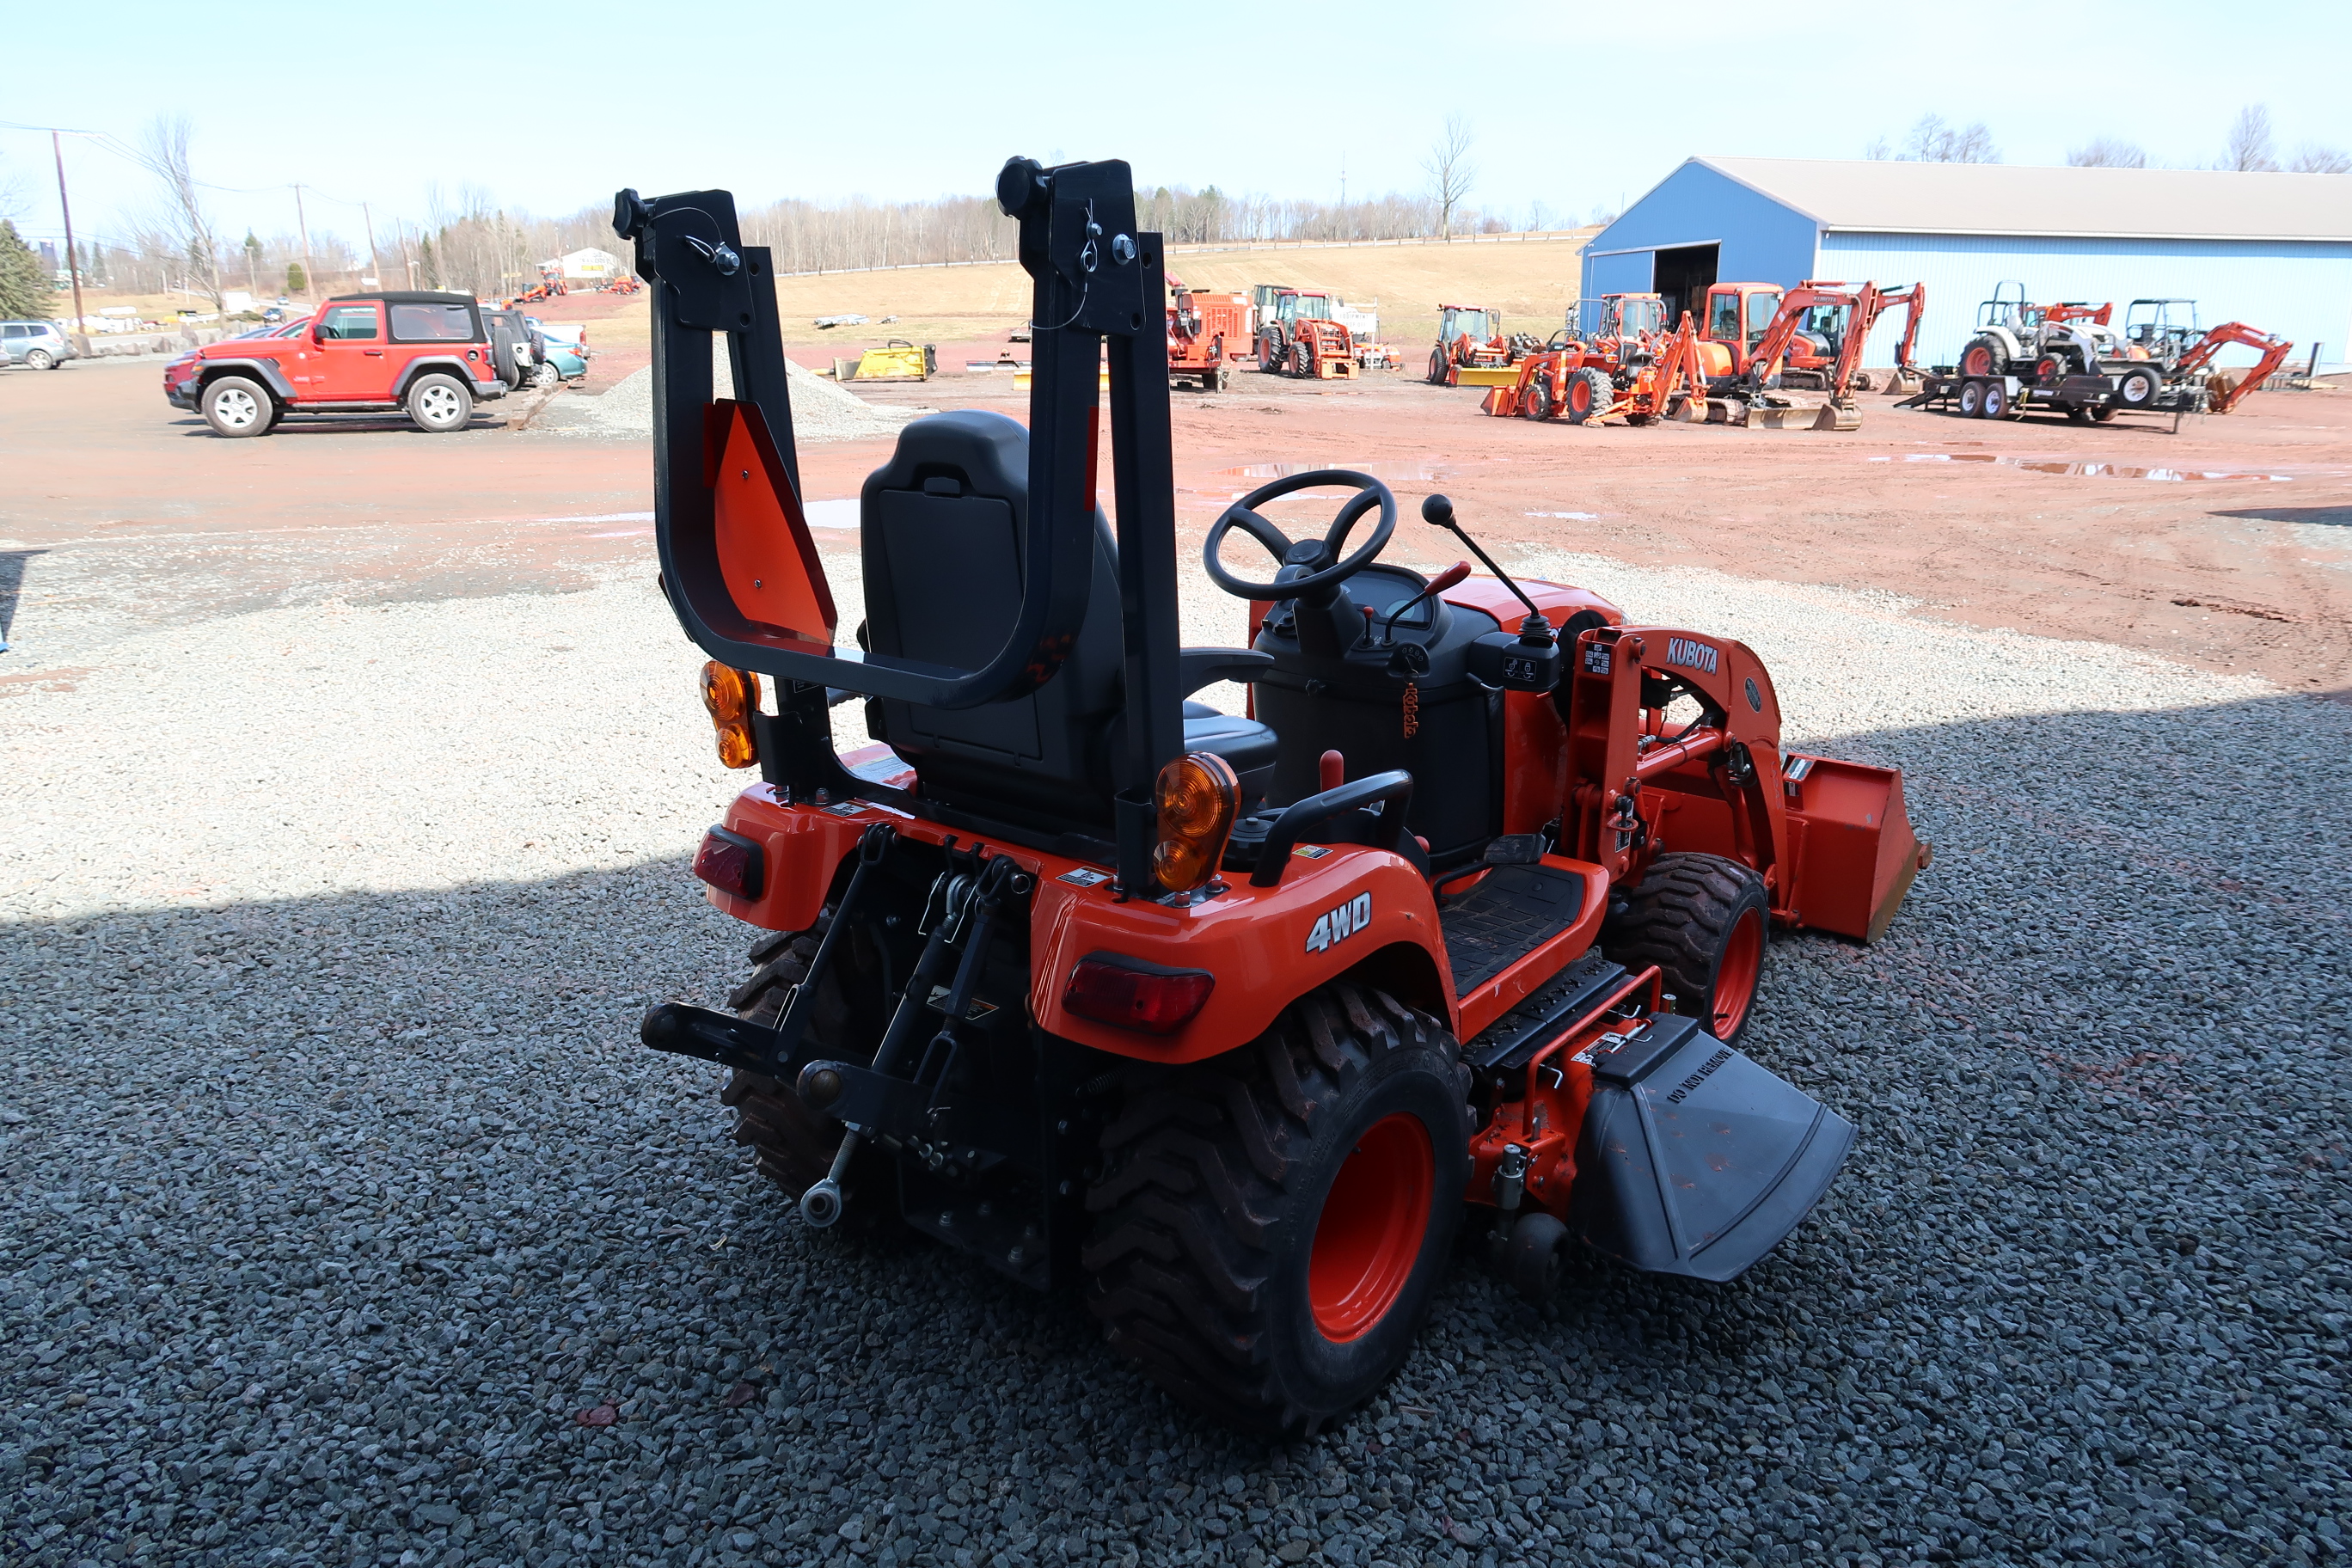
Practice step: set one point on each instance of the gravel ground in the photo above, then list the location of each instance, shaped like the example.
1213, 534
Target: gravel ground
337, 1194
822, 410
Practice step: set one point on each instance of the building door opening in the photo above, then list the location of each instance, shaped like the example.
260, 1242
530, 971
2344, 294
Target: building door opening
1682, 277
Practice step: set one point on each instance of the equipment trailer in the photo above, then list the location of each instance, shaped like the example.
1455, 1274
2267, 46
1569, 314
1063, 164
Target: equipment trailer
1224, 1021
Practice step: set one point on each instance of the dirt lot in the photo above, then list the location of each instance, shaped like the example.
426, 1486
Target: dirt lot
354, 776
2227, 545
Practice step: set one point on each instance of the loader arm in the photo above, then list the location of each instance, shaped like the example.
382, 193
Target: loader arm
1914, 300
2198, 361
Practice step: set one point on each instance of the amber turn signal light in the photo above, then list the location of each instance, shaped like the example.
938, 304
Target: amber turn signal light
732, 696
1197, 796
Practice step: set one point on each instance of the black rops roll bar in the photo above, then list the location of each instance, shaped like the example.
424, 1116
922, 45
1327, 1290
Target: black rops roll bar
1095, 280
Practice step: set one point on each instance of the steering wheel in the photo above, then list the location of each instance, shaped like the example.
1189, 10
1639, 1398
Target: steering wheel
1317, 555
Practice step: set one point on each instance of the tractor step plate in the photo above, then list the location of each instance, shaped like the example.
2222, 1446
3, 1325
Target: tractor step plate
1511, 1041
1695, 1160
1513, 911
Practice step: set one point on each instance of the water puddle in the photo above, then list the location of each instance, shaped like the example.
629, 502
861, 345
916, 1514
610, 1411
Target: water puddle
1571, 516
2088, 470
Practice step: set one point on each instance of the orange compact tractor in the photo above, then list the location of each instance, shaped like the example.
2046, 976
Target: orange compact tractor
1225, 1022
1297, 335
1205, 332
1472, 351
1590, 366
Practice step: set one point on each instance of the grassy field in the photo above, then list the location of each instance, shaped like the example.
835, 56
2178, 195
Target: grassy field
1532, 283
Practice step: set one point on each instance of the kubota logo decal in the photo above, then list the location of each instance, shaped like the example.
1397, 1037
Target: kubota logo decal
1690, 653
1341, 923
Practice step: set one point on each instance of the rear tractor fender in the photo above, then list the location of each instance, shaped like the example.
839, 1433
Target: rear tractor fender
1350, 907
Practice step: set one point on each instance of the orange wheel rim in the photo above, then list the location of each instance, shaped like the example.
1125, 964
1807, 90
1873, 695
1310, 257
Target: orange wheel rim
1734, 978
1978, 363
1370, 1234
1579, 396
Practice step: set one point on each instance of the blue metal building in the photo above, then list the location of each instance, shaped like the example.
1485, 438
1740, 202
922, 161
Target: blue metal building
2274, 251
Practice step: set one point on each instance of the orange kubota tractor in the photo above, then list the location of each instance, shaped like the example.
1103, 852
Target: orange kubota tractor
1297, 335
1471, 350
1590, 366
1225, 1023
1205, 333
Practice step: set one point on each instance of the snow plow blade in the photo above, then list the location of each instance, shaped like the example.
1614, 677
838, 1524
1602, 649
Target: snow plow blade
1694, 1160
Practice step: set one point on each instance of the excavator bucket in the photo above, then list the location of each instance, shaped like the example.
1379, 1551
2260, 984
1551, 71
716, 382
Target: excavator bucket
1851, 841
1694, 1160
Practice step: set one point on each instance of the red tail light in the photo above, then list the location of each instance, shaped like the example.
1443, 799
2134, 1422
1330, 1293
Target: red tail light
1111, 988
730, 863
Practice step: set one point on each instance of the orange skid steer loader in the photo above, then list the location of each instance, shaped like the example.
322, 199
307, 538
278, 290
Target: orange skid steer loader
1227, 1023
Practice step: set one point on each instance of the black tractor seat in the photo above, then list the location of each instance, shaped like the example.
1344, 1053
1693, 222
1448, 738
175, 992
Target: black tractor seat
942, 528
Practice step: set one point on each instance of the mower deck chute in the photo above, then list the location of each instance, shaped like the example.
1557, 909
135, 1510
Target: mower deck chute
1694, 1160
1229, 1021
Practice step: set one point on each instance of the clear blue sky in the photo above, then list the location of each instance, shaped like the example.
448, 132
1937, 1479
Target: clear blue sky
550, 109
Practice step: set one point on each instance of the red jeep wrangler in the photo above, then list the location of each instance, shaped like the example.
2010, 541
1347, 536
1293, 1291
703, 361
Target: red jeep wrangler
428, 354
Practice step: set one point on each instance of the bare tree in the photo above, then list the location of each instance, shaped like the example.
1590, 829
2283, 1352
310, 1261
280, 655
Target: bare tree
2250, 150
2108, 152
164, 151
2311, 158
1936, 141
1450, 170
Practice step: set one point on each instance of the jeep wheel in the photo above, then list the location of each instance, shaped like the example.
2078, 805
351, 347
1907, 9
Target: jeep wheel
41, 359
239, 405
437, 403
794, 1145
1702, 919
1274, 1220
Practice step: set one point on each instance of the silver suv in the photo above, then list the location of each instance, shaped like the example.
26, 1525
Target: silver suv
39, 345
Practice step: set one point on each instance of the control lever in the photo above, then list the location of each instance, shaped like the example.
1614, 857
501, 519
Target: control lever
1438, 511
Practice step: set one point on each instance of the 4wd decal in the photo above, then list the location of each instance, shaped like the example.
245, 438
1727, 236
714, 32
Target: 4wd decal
1692, 654
1341, 923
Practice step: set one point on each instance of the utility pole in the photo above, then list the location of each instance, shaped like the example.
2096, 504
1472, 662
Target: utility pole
310, 280
73, 261
370, 221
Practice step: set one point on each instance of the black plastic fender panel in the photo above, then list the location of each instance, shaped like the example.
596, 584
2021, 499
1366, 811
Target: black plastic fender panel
1694, 1160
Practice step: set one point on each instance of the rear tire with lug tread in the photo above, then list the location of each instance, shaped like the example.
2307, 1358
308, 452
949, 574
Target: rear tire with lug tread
1705, 921
1589, 394
1274, 1221
794, 1146
439, 403
40, 359
238, 405
1982, 357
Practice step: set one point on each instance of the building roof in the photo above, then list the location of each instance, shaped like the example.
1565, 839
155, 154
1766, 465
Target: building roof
1888, 197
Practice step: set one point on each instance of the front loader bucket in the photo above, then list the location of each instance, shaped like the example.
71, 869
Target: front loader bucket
1694, 1160
1851, 841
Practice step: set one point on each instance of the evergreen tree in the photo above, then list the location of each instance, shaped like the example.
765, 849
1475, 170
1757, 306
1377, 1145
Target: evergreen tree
296, 281
24, 290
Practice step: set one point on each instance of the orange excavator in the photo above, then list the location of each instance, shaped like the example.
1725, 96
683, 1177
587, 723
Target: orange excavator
2222, 393
1827, 323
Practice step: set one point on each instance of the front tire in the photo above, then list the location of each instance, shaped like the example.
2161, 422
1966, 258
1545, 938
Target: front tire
1274, 1221
1437, 367
1537, 404
1703, 920
437, 404
238, 405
